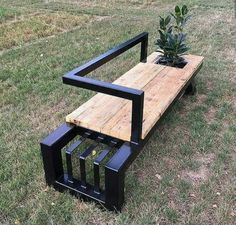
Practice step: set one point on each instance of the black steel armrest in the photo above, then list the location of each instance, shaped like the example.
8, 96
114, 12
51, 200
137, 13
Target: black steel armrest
102, 86
114, 52
137, 97
75, 78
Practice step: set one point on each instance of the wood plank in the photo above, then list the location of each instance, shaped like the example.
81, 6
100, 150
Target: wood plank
159, 94
152, 58
97, 99
120, 124
101, 107
112, 116
101, 118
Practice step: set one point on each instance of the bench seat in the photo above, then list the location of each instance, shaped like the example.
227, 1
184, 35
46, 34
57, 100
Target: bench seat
112, 115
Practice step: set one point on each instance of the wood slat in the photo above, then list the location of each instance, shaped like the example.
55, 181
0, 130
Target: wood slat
161, 84
97, 99
94, 110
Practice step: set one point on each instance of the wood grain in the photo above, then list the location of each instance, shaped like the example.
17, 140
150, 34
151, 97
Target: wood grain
161, 84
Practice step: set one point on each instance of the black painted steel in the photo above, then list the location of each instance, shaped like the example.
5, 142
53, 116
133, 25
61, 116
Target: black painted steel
82, 158
69, 152
191, 89
111, 54
97, 163
75, 78
76, 188
51, 151
112, 197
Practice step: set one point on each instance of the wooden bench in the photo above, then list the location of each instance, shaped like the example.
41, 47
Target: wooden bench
123, 116
112, 115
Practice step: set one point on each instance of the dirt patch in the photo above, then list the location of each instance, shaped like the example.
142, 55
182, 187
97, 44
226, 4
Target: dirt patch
231, 54
195, 177
201, 98
210, 115
100, 18
203, 173
205, 159
233, 78
170, 163
233, 100
210, 85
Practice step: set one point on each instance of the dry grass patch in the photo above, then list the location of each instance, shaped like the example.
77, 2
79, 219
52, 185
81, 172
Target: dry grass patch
202, 173
109, 2
108, 5
210, 115
38, 26
232, 99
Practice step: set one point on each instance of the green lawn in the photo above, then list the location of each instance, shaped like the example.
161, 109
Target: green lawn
186, 174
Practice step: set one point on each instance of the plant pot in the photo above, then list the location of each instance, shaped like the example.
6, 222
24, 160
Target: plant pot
160, 60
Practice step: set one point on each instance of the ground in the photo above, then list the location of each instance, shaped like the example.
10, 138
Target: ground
186, 172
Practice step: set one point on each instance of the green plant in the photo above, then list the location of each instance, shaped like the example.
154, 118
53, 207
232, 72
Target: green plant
172, 37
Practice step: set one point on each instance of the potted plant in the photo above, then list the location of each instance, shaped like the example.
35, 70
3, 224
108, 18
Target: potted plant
172, 41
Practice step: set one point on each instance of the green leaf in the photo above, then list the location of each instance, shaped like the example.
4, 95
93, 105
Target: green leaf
173, 15
162, 36
187, 18
162, 23
184, 10
172, 38
177, 10
167, 20
183, 50
169, 49
160, 43
170, 29
181, 37
178, 20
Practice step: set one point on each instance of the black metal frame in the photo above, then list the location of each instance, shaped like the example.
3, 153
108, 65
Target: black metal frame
125, 152
75, 78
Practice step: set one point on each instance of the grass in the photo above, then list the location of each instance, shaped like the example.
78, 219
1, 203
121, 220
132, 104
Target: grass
38, 26
7, 13
193, 150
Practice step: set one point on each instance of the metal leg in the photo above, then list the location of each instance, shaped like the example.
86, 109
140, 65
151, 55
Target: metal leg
115, 175
191, 89
114, 189
82, 160
69, 153
52, 161
51, 151
96, 168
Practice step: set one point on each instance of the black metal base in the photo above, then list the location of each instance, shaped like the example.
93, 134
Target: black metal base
191, 89
112, 197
